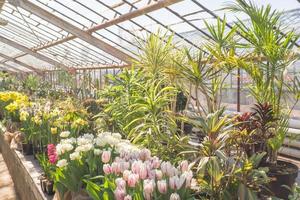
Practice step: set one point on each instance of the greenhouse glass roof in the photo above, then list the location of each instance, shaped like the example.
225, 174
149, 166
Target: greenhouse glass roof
47, 34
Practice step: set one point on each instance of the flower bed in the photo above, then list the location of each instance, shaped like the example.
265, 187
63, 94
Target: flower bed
118, 169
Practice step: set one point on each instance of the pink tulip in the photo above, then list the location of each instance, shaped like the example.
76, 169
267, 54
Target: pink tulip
132, 180
155, 162
176, 183
188, 176
151, 174
148, 188
116, 167
106, 156
166, 167
184, 166
135, 167
128, 197
107, 169
124, 166
172, 183
143, 171
174, 196
121, 183
126, 173
145, 154
158, 174
120, 194
162, 186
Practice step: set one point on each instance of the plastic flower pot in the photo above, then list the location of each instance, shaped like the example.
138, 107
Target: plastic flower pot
27, 149
187, 128
49, 187
43, 181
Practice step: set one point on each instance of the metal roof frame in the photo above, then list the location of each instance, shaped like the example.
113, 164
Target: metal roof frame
92, 34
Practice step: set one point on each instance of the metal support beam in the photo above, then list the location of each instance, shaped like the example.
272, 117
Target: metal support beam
11, 68
136, 13
30, 52
21, 63
87, 37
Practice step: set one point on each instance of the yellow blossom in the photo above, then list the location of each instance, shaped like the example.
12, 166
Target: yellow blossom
24, 115
54, 130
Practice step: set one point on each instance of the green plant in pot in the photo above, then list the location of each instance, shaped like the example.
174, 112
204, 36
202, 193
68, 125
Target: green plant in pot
221, 176
46, 179
270, 53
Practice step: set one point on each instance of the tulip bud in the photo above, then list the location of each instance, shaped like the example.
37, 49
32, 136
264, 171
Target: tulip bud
106, 156
184, 166
132, 180
107, 169
162, 186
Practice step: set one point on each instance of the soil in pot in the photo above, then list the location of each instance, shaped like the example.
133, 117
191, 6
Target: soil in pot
283, 174
27, 149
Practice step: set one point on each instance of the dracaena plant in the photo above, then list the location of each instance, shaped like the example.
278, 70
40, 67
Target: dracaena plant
227, 178
215, 129
207, 72
120, 96
155, 124
270, 53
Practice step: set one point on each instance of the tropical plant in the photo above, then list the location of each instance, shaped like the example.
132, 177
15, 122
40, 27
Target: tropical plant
156, 127
31, 83
225, 178
120, 96
215, 129
270, 53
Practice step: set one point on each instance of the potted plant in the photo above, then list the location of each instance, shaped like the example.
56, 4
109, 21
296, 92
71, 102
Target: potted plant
48, 168
269, 55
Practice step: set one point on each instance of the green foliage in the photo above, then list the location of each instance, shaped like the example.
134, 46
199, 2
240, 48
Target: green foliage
120, 96
47, 167
31, 83
270, 53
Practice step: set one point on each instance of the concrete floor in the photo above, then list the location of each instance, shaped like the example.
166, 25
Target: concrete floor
7, 190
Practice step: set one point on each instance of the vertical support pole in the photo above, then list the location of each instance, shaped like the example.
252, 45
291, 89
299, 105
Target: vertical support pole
238, 103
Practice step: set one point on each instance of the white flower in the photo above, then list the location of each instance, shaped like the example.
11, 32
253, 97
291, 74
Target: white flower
117, 136
85, 139
62, 163
64, 134
97, 152
75, 156
84, 148
63, 148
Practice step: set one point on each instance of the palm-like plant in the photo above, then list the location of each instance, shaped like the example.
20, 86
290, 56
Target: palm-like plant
207, 73
270, 53
198, 72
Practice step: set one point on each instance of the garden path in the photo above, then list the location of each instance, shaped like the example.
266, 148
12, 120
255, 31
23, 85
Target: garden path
7, 190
